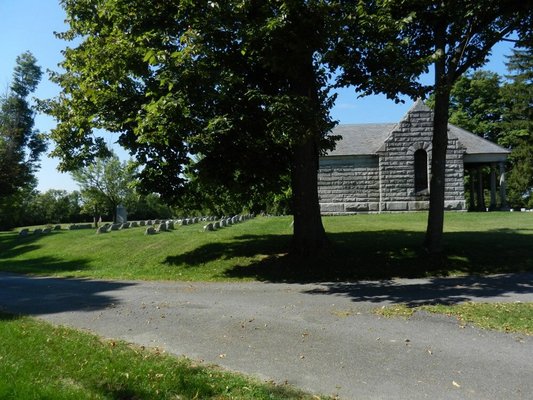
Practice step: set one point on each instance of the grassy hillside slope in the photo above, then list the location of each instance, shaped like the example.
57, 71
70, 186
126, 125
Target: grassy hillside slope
363, 246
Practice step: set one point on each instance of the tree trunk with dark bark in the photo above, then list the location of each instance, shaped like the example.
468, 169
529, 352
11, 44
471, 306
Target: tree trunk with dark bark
309, 236
435, 226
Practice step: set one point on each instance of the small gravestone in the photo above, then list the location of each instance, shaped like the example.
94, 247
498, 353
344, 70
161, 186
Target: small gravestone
229, 221
185, 222
209, 227
37, 231
157, 221
170, 225
216, 225
134, 224
47, 230
150, 231
24, 232
142, 223
161, 228
57, 228
115, 227
102, 229
122, 214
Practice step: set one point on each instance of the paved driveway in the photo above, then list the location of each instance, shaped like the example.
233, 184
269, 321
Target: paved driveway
320, 337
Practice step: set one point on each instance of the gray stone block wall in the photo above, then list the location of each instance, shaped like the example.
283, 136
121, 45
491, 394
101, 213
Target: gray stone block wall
351, 183
348, 184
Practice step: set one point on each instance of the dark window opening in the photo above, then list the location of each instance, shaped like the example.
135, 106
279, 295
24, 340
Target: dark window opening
421, 170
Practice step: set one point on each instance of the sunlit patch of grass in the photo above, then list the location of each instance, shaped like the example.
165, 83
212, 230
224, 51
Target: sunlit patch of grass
396, 310
507, 317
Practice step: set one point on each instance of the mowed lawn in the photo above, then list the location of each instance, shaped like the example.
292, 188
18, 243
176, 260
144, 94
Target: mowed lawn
362, 247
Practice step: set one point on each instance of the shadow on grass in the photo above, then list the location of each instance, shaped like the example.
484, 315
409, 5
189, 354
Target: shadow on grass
242, 246
12, 247
4, 316
369, 255
21, 294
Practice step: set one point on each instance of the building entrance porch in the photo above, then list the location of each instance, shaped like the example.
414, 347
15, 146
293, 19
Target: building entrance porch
480, 175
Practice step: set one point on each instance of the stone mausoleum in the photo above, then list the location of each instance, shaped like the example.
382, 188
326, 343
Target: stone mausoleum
387, 167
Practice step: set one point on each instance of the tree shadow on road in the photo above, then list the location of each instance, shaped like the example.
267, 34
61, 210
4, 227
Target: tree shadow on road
21, 294
449, 290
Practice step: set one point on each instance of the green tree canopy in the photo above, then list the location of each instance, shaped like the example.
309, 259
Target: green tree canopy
105, 184
459, 35
234, 92
20, 145
517, 125
237, 92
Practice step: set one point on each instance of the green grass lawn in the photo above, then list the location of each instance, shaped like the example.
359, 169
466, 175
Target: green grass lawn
363, 247
39, 361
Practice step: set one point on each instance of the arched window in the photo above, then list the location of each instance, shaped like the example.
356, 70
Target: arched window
421, 170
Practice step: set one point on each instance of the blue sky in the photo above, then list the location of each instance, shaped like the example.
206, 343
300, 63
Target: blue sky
30, 25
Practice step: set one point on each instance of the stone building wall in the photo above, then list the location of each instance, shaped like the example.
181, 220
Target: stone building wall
397, 167
352, 183
348, 184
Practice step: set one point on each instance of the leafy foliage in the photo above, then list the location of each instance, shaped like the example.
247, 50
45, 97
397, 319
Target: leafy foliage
20, 145
500, 110
54, 207
234, 93
104, 185
455, 36
518, 122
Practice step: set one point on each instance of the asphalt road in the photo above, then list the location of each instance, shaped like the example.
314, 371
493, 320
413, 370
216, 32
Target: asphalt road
323, 338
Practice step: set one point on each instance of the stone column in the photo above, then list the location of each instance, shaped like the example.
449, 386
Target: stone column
503, 189
480, 196
472, 202
492, 187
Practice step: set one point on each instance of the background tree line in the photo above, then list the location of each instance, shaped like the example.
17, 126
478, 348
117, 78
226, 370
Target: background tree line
500, 109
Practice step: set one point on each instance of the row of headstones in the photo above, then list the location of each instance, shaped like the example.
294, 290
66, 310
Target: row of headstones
153, 226
166, 226
213, 226
39, 231
116, 227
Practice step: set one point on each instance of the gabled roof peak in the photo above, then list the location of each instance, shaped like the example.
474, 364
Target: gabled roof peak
419, 105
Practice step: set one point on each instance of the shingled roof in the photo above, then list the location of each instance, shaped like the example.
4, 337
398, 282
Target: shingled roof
366, 139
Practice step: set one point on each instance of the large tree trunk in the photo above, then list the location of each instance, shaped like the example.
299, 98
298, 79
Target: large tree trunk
309, 237
435, 226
